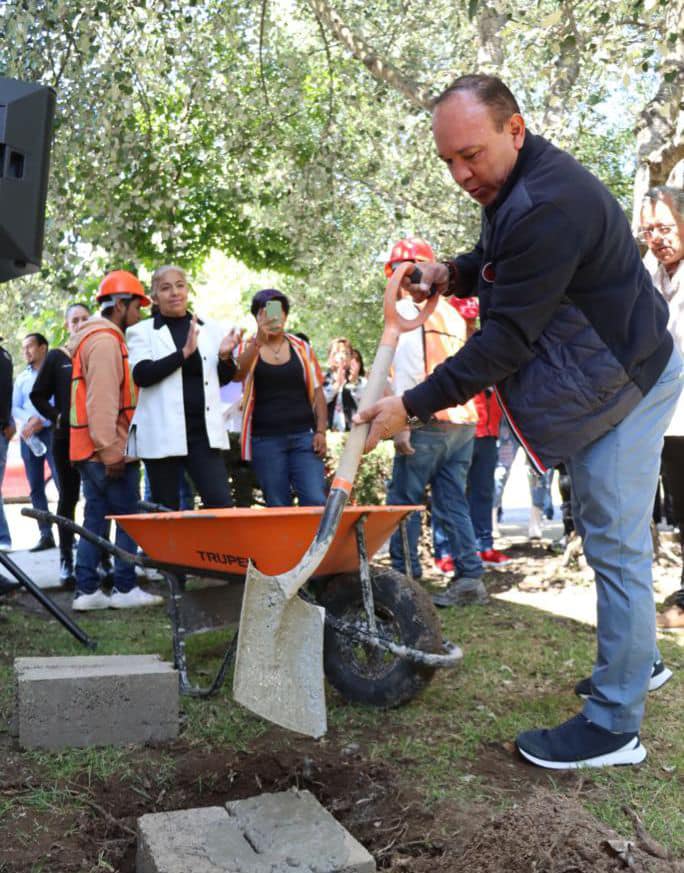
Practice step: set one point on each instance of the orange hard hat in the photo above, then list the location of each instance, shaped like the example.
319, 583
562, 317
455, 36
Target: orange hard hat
122, 282
411, 248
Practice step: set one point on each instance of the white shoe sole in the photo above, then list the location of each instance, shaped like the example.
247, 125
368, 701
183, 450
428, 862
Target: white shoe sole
631, 753
136, 605
77, 608
656, 682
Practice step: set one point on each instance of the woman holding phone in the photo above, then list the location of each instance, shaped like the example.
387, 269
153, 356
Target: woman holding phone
179, 363
284, 411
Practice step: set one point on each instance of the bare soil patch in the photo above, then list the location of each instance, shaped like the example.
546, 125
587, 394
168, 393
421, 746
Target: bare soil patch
543, 831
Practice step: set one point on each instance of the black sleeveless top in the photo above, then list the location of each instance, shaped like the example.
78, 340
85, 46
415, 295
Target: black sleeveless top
281, 404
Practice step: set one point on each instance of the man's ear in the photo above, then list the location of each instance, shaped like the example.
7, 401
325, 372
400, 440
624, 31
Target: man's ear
516, 127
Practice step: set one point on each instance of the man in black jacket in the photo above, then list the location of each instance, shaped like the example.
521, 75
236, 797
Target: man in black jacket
575, 338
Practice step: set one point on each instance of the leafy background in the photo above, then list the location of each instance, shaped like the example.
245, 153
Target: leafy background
288, 142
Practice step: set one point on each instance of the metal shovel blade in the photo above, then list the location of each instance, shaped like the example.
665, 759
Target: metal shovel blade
279, 659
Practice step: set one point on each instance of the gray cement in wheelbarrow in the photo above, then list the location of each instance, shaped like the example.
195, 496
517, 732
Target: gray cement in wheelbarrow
288, 832
95, 701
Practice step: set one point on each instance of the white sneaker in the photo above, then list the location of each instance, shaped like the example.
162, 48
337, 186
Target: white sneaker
134, 598
496, 533
149, 573
97, 600
534, 529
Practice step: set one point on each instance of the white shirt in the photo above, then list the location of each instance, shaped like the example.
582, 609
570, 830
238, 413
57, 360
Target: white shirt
672, 289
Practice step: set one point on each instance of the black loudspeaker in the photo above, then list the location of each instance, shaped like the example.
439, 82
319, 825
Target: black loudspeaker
26, 114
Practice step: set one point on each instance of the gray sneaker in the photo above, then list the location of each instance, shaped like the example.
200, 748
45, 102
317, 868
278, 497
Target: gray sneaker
461, 592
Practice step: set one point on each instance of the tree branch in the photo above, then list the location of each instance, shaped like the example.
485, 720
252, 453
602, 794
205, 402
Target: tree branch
380, 69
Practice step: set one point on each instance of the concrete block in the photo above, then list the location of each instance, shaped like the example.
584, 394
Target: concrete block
289, 832
193, 841
95, 701
293, 826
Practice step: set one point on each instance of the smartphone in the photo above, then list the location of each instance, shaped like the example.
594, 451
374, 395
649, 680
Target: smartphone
274, 310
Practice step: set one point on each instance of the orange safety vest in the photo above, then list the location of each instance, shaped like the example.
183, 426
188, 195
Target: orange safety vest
445, 333
81, 446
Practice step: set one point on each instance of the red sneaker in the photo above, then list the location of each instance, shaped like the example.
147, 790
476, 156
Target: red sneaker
493, 558
445, 565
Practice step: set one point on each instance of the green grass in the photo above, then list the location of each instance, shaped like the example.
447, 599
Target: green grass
518, 672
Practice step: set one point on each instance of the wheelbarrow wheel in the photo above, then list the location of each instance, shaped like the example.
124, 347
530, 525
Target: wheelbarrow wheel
404, 614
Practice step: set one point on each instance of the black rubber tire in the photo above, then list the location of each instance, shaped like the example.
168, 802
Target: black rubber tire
404, 612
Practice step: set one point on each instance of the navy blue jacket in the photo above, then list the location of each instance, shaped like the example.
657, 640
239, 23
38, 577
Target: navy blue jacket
573, 333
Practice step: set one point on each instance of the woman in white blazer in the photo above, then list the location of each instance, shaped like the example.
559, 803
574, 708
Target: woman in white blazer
179, 363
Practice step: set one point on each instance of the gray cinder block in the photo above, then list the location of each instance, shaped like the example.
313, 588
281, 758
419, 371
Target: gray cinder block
95, 701
193, 841
271, 833
293, 826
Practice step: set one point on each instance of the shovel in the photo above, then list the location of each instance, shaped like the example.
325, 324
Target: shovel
279, 659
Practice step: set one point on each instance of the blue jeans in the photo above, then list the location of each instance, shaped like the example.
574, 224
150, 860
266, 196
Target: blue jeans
5, 537
105, 496
442, 459
35, 473
287, 463
613, 484
539, 483
481, 490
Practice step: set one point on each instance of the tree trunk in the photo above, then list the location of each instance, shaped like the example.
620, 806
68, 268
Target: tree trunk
660, 129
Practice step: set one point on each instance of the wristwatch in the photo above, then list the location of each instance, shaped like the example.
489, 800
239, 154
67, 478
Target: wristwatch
412, 421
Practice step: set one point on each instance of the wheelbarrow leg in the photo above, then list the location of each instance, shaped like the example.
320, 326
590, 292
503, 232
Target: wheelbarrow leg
403, 527
47, 602
179, 655
364, 573
179, 658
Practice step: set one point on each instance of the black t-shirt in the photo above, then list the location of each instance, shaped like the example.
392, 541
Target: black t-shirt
281, 404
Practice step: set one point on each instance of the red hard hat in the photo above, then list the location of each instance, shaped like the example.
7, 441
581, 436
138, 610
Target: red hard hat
122, 282
412, 248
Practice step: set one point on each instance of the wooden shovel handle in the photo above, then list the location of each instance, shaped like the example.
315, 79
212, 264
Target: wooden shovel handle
395, 325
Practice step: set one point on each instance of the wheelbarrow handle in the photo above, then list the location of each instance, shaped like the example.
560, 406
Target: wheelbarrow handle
105, 545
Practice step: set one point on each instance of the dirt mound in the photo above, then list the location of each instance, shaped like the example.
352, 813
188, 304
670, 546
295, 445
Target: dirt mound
542, 833
549, 833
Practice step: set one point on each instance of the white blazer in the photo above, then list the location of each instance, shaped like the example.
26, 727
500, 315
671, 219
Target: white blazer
158, 426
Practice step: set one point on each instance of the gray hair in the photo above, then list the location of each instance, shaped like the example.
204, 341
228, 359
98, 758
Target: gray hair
665, 193
159, 273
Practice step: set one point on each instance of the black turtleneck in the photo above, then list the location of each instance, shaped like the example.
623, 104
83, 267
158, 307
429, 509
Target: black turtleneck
148, 373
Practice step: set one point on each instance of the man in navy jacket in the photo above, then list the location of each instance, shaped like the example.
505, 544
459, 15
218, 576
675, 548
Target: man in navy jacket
575, 338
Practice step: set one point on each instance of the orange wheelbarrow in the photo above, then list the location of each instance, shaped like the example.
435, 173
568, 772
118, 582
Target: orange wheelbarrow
383, 640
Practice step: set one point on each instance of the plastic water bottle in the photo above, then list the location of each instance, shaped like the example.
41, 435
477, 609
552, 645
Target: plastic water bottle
36, 445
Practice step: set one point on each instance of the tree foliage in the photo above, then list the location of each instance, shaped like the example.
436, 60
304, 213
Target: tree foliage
294, 134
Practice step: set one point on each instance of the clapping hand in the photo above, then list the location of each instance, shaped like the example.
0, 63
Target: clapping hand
191, 342
228, 343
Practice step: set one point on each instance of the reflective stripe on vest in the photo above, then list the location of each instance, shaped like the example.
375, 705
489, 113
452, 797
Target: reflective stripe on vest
81, 446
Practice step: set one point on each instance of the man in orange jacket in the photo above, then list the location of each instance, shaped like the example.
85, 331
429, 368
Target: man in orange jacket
102, 405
